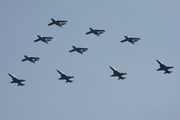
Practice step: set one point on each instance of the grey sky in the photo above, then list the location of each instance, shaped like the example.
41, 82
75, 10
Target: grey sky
94, 95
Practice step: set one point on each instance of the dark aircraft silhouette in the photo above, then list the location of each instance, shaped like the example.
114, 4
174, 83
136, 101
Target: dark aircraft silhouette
130, 39
59, 23
65, 77
43, 39
15, 80
117, 74
78, 49
95, 31
31, 59
164, 67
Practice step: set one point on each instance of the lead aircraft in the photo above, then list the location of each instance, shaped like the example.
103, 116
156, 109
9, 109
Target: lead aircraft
65, 77
15, 80
59, 23
78, 49
164, 67
130, 39
95, 31
43, 39
117, 74
31, 59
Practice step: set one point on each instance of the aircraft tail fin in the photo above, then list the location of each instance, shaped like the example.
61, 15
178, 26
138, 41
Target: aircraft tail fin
167, 72
121, 78
20, 84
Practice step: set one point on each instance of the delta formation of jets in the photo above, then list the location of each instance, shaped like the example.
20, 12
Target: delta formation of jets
80, 50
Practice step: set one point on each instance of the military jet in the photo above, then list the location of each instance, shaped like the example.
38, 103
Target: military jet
130, 39
78, 49
15, 80
164, 67
65, 77
117, 74
31, 59
59, 23
95, 31
43, 39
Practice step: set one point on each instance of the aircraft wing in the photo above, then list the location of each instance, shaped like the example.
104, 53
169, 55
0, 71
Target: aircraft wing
113, 69
99, 30
23, 59
159, 62
88, 32
124, 40
12, 76
61, 21
84, 49
72, 50
50, 23
36, 40
123, 73
35, 58
48, 37
169, 67
60, 72
135, 38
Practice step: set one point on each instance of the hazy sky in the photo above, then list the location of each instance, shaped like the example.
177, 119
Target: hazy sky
146, 94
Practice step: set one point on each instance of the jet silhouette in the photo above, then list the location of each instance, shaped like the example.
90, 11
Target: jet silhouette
31, 59
15, 80
43, 39
78, 49
95, 31
117, 74
59, 23
164, 67
130, 39
65, 77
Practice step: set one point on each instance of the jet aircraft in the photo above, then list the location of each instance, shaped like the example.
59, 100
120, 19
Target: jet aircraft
43, 39
95, 31
65, 77
78, 49
117, 74
31, 59
59, 23
130, 39
164, 67
15, 80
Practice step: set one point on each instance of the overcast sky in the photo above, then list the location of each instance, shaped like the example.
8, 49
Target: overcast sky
145, 94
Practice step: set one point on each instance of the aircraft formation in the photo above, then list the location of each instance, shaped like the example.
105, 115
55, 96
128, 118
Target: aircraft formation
81, 50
